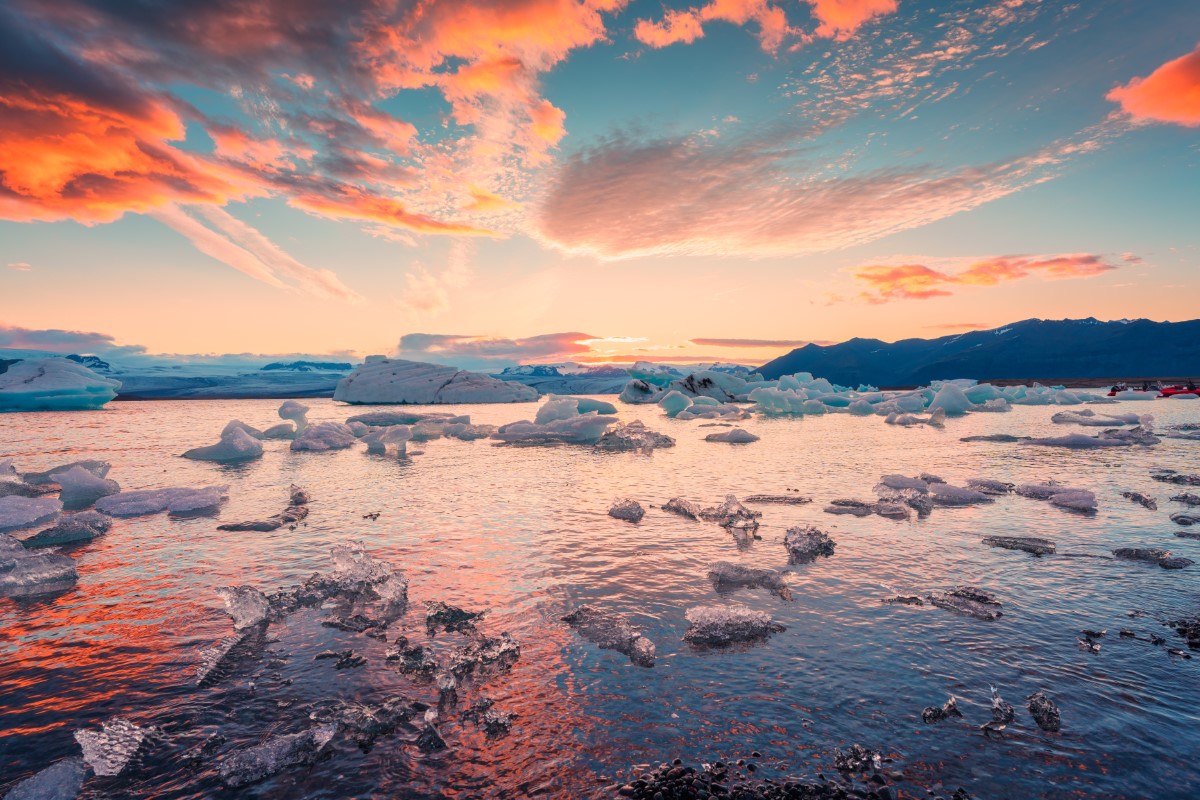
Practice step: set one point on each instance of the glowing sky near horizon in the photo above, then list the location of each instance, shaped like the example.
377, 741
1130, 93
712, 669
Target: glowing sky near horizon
541, 180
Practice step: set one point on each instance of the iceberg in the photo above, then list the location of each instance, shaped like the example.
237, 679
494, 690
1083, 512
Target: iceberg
720, 626
727, 576
633, 436
236, 445
383, 380
23, 573
24, 512
108, 750
324, 436
732, 436
71, 529
612, 632
81, 488
98, 468
54, 384
579, 429
176, 500
252, 764
674, 402
62, 780
638, 391
952, 400
627, 509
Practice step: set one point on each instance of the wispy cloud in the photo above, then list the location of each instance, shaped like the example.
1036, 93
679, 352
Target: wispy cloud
233, 242
428, 291
20, 266
459, 348
916, 281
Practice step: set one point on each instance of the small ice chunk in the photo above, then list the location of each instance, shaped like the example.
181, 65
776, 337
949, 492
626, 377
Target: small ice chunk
1075, 500
970, 601
324, 436
62, 780
731, 514
682, 507
579, 429
727, 576
627, 509
612, 632
1076, 441
378, 439
989, 486
109, 749
932, 714
81, 488
674, 402
352, 563
633, 436
952, 400
944, 494
1185, 518
1143, 500
719, 626
235, 445
252, 764
246, 605
451, 619
732, 436
1044, 712
903, 482
638, 391
297, 510
806, 543
1030, 544
71, 529
25, 512
1151, 554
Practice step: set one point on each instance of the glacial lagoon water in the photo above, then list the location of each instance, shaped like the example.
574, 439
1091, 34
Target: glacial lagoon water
523, 533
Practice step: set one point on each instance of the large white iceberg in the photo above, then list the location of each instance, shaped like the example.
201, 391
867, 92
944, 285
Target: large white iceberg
383, 380
54, 384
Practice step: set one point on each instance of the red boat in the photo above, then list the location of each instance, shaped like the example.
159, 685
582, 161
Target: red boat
1171, 391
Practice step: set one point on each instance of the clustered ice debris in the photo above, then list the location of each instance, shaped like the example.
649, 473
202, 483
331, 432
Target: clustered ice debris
54, 384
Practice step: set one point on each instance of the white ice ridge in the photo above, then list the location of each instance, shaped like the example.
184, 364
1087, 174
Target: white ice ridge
177, 500
54, 384
383, 380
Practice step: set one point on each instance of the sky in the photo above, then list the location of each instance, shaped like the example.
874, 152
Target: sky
478, 181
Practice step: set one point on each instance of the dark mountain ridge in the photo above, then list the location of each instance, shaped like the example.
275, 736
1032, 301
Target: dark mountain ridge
1068, 349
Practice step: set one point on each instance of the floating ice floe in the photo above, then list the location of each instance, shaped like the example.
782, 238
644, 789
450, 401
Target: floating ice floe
394, 437
18, 512
634, 436
176, 500
1185, 518
989, 486
1059, 495
612, 632
943, 494
24, 573
253, 764
1152, 555
71, 529
581, 429
720, 626
806, 543
937, 419
1143, 500
62, 780
81, 488
638, 392
324, 436
294, 412
1076, 441
1177, 478
780, 499
383, 380
1089, 418
726, 577
236, 444
54, 384
732, 436
109, 749
296, 510
627, 509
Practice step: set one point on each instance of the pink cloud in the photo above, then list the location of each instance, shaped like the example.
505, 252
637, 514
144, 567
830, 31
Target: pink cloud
687, 25
1170, 93
839, 19
920, 282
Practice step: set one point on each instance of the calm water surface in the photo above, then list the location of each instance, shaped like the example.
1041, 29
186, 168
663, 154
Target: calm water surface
523, 532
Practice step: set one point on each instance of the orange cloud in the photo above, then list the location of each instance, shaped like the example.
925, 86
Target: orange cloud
920, 282
841, 18
687, 25
69, 157
1169, 94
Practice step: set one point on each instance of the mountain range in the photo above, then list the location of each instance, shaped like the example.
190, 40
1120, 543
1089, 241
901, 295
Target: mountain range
1033, 349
